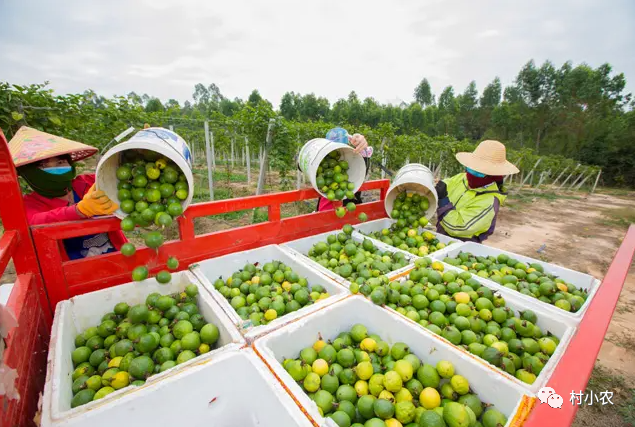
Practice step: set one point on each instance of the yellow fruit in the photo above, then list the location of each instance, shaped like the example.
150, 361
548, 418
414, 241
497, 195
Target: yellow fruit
412, 233
255, 279
320, 367
430, 398
368, 344
409, 194
364, 357
161, 163
120, 380
319, 345
364, 370
438, 266
562, 287
385, 394
463, 267
203, 348
440, 246
460, 384
423, 250
114, 363
325, 295
404, 369
531, 270
428, 236
361, 387
286, 286
462, 297
403, 395
391, 422
229, 281
445, 369
392, 381
271, 314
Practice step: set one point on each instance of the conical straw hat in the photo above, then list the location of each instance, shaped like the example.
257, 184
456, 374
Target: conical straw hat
488, 158
30, 145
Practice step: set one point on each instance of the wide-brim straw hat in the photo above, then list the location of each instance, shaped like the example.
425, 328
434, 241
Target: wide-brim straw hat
30, 145
490, 158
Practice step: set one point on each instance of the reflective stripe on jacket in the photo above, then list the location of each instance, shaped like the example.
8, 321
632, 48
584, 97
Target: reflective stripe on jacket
470, 213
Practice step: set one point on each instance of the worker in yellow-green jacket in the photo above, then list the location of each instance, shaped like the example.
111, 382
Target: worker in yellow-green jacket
469, 201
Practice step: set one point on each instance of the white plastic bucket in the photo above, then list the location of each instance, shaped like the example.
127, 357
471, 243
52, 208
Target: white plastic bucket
416, 178
160, 140
314, 151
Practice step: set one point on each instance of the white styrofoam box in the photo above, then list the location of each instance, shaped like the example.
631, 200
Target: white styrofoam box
580, 280
209, 270
508, 397
547, 322
300, 248
379, 224
74, 316
234, 388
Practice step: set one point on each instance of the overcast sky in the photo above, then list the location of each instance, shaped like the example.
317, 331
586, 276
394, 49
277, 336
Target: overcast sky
378, 48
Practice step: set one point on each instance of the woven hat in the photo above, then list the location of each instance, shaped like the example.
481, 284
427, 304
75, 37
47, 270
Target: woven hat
488, 158
30, 145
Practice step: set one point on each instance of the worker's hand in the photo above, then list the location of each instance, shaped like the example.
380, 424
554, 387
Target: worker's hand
358, 141
442, 190
95, 202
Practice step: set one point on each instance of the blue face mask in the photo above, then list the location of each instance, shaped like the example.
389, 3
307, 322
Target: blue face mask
476, 174
58, 170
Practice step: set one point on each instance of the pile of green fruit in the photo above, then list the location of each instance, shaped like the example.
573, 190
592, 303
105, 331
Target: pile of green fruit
151, 189
529, 280
417, 242
133, 343
459, 308
264, 294
332, 179
409, 209
354, 261
358, 380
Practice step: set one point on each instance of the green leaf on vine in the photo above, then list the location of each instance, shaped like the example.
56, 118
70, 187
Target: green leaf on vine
55, 120
16, 116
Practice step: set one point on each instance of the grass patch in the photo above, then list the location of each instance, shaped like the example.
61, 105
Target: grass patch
619, 217
624, 340
623, 408
220, 176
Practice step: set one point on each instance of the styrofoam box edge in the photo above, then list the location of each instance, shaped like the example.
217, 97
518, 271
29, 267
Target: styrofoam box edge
547, 321
286, 342
577, 278
299, 247
379, 224
226, 265
68, 323
279, 401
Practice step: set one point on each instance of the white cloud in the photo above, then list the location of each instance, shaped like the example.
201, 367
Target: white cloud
382, 50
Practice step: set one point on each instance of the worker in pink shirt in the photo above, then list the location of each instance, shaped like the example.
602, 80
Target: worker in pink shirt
47, 163
361, 147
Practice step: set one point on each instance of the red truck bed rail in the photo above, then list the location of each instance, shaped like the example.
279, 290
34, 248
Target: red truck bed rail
44, 279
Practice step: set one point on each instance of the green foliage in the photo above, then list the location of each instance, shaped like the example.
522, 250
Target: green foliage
565, 116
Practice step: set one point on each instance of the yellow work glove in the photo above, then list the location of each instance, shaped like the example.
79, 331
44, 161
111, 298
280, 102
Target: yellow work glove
96, 203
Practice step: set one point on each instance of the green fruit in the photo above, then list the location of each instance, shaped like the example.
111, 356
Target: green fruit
431, 419
153, 239
341, 418
104, 391
191, 341
140, 273
80, 355
493, 418
127, 224
384, 409
428, 376
141, 367
362, 217
82, 397
456, 415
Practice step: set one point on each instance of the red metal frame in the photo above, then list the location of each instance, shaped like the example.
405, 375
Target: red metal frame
45, 279
27, 343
